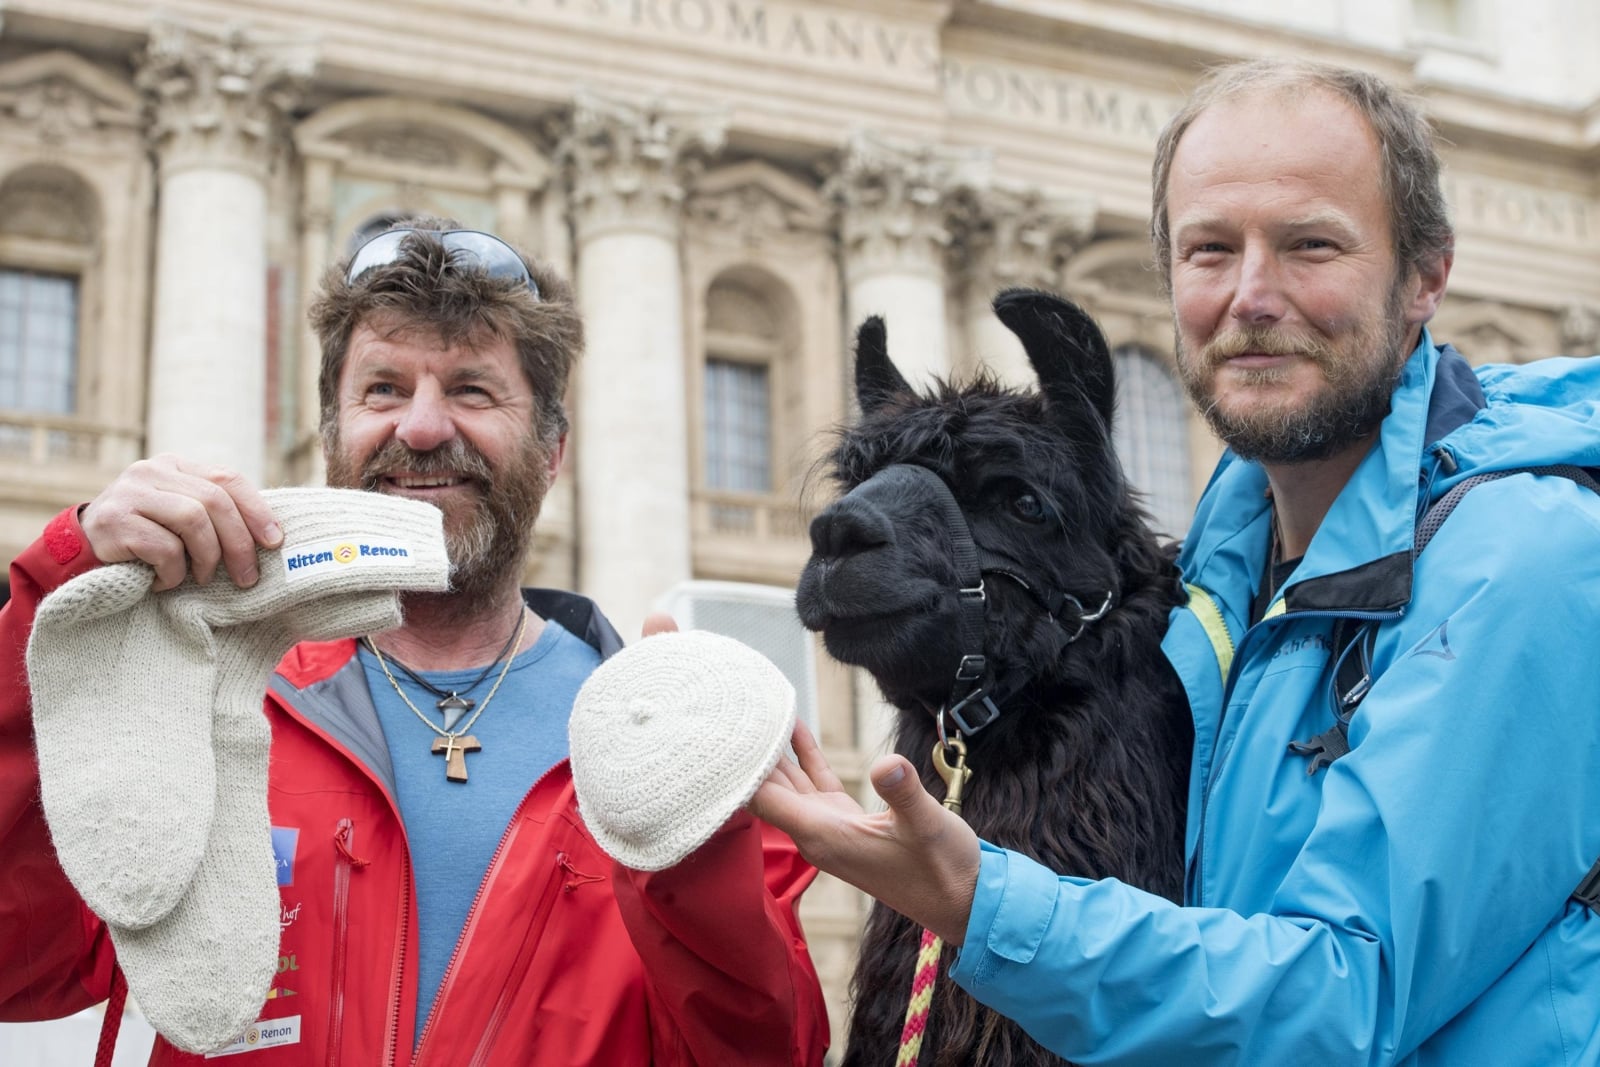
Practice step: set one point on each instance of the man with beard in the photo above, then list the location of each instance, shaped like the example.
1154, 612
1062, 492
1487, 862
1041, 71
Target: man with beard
1391, 860
442, 901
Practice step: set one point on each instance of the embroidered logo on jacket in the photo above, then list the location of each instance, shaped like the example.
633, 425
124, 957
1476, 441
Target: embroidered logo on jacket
1315, 647
284, 841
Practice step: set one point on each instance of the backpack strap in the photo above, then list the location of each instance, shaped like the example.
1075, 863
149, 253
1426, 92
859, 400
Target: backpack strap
1588, 891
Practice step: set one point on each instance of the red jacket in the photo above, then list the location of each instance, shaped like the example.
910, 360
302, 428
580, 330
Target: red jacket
566, 958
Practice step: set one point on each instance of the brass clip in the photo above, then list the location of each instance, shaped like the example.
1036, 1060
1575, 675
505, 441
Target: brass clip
955, 776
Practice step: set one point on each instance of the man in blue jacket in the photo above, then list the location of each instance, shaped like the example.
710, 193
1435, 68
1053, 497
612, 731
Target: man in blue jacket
1412, 901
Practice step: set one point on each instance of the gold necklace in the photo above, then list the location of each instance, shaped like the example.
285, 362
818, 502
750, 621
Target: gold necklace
452, 703
455, 744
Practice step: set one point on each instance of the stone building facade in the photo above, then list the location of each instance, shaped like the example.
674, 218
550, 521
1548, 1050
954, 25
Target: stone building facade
733, 185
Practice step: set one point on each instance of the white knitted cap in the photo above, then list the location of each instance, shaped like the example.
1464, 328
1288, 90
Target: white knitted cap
670, 737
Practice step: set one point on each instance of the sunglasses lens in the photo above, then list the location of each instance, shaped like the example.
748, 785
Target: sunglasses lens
481, 250
376, 252
498, 259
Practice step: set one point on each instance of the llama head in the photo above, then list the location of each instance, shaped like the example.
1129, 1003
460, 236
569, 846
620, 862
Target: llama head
1033, 474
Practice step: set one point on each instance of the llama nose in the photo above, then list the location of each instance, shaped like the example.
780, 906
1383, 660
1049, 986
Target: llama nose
847, 528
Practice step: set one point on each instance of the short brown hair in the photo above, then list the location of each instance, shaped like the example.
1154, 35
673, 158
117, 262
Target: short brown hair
1418, 216
425, 289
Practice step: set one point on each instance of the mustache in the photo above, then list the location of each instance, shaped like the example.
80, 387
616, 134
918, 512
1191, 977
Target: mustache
1265, 340
455, 456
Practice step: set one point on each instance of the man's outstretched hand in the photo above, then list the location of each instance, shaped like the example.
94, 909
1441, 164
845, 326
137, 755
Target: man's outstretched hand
916, 857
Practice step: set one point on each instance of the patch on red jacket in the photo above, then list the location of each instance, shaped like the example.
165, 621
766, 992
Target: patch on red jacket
61, 538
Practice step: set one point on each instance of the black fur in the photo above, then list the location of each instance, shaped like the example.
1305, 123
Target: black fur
1086, 769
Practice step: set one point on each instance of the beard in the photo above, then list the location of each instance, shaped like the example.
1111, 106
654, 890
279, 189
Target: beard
1359, 375
487, 539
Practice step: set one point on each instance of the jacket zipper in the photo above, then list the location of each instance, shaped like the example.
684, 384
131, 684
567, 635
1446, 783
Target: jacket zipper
1217, 764
461, 941
1217, 627
1219, 760
538, 920
1443, 458
397, 967
343, 865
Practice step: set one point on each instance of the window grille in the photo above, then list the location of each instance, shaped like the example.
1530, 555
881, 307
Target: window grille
738, 426
38, 342
1151, 436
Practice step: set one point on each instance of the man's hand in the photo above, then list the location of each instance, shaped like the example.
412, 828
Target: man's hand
916, 857
176, 515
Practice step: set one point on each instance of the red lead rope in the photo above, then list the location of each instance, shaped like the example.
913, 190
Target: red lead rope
113, 1020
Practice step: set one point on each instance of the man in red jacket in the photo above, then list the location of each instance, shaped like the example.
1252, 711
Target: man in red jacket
442, 902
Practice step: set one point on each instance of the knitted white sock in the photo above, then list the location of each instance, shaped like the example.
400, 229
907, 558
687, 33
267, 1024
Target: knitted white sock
123, 686
202, 973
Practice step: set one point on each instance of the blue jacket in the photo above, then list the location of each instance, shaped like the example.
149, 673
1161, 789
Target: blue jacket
1408, 904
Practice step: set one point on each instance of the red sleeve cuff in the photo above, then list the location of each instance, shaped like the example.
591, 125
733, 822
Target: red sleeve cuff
63, 537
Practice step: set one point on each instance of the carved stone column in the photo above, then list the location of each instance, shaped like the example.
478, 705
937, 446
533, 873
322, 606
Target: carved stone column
1014, 237
631, 164
896, 201
216, 104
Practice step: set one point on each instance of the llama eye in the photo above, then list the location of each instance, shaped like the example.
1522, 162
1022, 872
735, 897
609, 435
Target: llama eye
1028, 507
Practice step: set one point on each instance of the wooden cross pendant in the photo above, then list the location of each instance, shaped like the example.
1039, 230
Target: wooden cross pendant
455, 749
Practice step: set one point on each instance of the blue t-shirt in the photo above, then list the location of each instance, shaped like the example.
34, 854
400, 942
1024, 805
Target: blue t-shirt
454, 827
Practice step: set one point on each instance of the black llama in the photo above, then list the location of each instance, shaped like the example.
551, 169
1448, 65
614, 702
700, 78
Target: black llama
1085, 765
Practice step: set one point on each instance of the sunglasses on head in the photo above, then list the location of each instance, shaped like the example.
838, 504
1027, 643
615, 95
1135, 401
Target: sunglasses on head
470, 248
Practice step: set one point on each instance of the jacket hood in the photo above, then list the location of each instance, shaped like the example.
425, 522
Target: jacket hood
1535, 415
1446, 422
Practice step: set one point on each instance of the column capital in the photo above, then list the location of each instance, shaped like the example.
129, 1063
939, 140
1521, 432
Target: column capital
1580, 328
220, 99
632, 162
1020, 235
897, 198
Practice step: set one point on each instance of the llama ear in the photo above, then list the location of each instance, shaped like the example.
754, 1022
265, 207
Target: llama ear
1066, 348
877, 379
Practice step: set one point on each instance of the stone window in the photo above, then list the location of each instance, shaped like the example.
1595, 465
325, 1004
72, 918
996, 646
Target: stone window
50, 281
38, 342
746, 426
1151, 434
738, 425
743, 376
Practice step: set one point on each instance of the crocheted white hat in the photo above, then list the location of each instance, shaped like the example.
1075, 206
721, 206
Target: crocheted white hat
670, 737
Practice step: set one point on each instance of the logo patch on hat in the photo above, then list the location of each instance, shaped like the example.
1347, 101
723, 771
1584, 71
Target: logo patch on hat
307, 561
